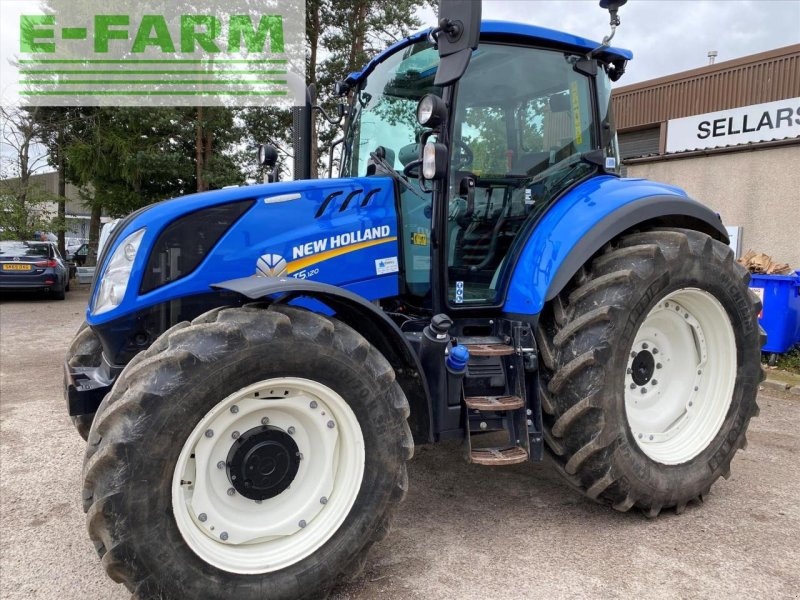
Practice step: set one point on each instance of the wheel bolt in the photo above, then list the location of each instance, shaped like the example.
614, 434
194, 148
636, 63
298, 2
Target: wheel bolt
640, 436
690, 403
686, 315
658, 365
654, 382
301, 524
644, 390
633, 354
331, 424
655, 350
651, 438
209, 433
221, 464
223, 536
235, 435
234, 409
629, 371
290, 431
633, 386
529, 412
696, 388
202, 517
323, 500
699, 372
231, 491
265, 420
645, 346
313, 404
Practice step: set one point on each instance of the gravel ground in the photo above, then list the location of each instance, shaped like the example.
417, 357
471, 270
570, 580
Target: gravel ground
464, 532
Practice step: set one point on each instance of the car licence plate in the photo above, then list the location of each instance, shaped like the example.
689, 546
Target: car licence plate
13, 267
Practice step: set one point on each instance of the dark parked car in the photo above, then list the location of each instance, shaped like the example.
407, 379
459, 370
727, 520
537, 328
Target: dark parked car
79, 256
34, 266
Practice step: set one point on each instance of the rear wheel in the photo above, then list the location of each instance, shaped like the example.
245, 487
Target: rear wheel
651, 369
253, 453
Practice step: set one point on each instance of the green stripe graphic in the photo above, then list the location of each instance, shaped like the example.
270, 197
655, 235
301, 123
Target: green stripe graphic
155, 93
153, 61
150, 82
147, 72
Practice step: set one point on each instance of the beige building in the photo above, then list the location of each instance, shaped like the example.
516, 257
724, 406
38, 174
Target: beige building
729, 134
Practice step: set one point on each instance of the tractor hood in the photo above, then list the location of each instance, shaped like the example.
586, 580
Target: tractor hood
337, 231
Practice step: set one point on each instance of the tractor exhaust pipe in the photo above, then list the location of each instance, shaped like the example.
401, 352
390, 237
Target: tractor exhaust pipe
301, 135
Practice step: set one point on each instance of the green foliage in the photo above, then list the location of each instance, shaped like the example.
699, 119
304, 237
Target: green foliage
24, 210
787, 361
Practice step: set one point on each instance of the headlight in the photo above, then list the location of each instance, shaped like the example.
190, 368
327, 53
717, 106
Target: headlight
115, 278
431, 111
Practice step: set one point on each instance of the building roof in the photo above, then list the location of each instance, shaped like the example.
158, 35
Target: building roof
754, 79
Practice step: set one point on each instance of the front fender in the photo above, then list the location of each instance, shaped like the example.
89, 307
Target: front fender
366, 318
584, 220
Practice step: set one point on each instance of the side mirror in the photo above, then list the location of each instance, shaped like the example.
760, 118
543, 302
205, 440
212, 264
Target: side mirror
456, 36
340, 88
268, 157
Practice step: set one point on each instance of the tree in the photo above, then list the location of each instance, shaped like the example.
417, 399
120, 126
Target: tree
23, 204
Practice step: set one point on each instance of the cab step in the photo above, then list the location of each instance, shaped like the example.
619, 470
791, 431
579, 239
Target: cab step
498, 456
490, 349
495, 403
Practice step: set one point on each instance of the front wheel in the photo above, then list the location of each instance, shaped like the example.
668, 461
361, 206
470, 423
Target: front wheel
253, 453
651, 369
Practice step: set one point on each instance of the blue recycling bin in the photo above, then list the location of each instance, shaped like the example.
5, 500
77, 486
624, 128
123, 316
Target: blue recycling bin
780, 316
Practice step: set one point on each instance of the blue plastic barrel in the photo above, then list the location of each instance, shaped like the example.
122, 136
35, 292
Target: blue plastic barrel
780, 317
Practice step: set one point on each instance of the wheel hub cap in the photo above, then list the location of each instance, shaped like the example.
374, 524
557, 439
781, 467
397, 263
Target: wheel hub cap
263, 462
268, 475
680, 376
642, 367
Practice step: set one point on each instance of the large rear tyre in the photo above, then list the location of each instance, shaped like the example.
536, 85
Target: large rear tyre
255, 453
84, 351
651, 366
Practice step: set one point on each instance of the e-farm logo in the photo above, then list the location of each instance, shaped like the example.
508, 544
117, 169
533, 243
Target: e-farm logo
158, 52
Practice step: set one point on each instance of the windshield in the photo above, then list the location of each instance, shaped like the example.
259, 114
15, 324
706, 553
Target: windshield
386, 107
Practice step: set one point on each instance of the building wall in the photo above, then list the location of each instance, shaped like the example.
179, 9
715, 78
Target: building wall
757, 190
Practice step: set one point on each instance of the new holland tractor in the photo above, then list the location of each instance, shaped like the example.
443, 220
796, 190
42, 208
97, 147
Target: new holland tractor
258, 363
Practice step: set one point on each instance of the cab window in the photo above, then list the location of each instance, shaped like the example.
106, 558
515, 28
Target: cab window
523, 117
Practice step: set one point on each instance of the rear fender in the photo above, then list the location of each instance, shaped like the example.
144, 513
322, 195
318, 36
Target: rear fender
584, 220
366, 318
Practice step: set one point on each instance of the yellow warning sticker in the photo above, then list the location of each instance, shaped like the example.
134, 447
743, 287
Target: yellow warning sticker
419, 238
576, 113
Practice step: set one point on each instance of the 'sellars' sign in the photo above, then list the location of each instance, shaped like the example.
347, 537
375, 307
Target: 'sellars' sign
748, 124
152, 52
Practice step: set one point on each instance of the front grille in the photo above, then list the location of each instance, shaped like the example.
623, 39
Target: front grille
185, 242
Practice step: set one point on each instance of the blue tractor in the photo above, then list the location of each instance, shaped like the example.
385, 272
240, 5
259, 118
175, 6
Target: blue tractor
258, 363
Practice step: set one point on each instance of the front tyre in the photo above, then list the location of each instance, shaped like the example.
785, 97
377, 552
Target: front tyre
651, 369
255, 453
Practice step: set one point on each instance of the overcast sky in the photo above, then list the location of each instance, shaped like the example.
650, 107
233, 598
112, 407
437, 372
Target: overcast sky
666, 36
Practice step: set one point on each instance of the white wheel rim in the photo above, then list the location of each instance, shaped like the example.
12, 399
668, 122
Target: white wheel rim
676, 412
241, 535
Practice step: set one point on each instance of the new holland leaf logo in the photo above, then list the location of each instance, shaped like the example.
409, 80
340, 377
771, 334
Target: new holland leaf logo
271, 265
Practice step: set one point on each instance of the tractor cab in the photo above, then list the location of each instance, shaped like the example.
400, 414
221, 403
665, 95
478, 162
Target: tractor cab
528, 119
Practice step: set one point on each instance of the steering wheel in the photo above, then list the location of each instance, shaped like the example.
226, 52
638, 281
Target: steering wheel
462, 156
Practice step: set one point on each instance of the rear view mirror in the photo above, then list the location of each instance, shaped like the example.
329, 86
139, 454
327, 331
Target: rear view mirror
457, 36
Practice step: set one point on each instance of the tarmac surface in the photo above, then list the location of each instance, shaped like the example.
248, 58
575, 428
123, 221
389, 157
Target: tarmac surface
465, 531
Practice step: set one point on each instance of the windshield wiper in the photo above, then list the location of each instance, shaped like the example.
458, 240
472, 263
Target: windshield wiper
381, 162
